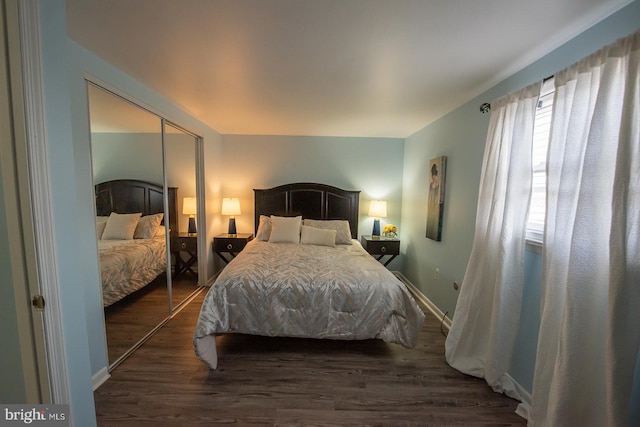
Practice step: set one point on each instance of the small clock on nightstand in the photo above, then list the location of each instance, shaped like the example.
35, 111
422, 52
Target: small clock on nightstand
230, 244
379, 247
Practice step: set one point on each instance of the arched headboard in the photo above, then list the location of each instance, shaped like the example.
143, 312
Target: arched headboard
133, 196
311, 201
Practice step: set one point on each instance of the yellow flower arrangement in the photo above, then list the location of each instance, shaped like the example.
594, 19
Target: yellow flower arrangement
390, 230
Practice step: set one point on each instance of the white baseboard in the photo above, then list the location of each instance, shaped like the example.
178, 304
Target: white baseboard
524, 407
417, 294
100, 377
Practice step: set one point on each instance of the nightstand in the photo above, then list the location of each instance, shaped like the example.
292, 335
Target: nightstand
380, 247
188, 243
230, 244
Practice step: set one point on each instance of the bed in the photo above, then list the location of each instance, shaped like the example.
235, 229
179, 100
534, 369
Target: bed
314, 288
131, 234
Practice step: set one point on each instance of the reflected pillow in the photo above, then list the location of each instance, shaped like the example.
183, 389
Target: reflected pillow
264, 229
317, 236
343, 231
120, 226
100, 228
146, 228
161, 231
101, 222
285, 229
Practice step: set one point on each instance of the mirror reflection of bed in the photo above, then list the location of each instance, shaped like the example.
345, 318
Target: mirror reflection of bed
127, 149
133, 266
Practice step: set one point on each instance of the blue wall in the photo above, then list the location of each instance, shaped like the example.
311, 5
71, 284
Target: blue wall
371, 165
127, 156
461, 135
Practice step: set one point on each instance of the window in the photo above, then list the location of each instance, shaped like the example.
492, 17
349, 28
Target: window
541, 134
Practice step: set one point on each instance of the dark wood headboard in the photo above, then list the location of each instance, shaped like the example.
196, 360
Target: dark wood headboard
133, 196
312, 201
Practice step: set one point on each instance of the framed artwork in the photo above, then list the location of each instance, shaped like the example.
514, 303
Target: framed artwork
435, 206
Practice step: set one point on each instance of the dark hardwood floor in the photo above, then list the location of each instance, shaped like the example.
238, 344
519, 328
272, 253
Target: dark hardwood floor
286, 381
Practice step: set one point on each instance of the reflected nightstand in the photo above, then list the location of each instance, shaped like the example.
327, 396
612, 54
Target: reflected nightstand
188, 243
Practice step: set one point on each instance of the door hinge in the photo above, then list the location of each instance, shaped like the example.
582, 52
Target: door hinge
38, 301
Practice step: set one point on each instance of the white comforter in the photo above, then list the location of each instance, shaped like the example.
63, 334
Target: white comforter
128, 265
295, 290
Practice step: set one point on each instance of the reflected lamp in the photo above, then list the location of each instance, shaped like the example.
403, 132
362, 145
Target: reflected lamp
377, 209
190, 207
231, 207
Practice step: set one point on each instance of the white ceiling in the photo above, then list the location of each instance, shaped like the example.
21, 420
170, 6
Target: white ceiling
369, 68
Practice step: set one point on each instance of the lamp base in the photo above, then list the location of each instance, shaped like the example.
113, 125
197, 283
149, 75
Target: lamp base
232, 226
376, 227
192, 226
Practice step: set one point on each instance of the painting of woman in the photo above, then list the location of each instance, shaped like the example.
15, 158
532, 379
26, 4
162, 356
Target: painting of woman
436, 198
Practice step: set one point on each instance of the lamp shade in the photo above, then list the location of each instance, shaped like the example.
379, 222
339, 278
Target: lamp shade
378, 209
189, 206
231, 206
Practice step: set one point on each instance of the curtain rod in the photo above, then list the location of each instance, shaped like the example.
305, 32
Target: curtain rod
486, 107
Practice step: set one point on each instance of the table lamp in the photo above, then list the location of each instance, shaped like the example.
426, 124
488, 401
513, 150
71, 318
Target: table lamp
377, 209
231, 206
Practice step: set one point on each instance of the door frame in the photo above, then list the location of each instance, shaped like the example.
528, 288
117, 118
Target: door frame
34, 194
16, 226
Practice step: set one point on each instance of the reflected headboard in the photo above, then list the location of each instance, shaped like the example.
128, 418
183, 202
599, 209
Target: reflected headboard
311, 201
133, 196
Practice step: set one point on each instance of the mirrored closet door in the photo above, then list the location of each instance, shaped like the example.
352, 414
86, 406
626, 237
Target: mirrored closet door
180, 168
144, 172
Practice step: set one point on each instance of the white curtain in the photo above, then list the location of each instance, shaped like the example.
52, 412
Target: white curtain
482, 336
589, 339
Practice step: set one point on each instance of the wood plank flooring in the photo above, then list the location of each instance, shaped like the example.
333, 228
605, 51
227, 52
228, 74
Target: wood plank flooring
285, 381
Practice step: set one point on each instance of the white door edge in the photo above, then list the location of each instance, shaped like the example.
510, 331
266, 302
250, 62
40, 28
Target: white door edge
41, 202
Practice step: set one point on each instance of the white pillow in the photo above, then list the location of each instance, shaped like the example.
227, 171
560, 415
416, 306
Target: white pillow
264, 229
146, 228
120, 226
317, 236
285, 229
343, 231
